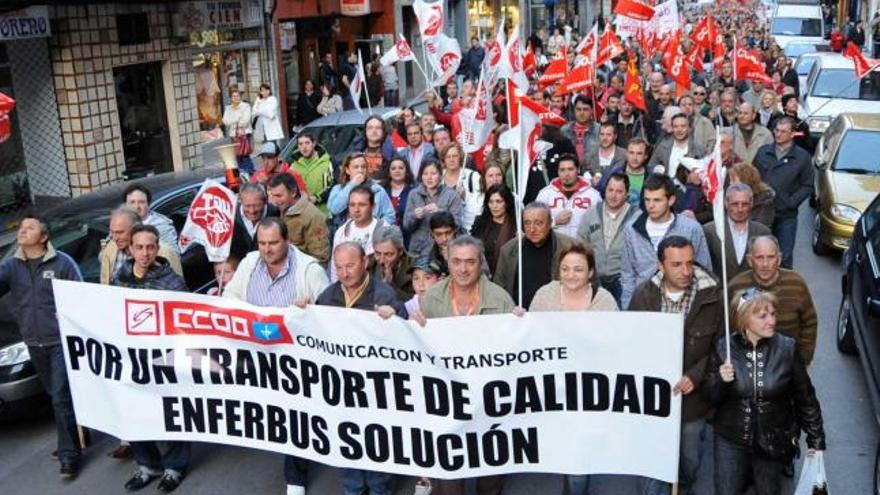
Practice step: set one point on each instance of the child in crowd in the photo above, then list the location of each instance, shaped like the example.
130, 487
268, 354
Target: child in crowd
425, 273
223, 272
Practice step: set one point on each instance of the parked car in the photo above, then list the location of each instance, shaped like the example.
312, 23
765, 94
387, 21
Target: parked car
77, 228
795, 49
847, 178
798, 21
858, 320
832, 89
802, 66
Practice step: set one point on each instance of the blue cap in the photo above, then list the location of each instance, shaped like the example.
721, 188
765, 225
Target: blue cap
269, 148
429, 265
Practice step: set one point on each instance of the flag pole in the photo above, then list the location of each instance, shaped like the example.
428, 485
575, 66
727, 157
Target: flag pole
364, 83
514, 162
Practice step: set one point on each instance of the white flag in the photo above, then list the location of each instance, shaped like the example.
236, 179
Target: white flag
477, 120
357, 84
400, 52
512, 62
444, 56
430, 16
211, 221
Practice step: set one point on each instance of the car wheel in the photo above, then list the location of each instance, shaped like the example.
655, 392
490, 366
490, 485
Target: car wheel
846, 342
819, 246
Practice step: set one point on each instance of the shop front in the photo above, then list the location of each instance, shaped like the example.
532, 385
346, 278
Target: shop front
229, 51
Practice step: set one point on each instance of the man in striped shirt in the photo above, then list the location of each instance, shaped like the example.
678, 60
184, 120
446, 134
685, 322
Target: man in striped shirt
279, 275
795, 313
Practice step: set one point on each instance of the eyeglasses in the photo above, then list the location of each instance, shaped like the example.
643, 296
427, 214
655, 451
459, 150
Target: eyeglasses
699, 93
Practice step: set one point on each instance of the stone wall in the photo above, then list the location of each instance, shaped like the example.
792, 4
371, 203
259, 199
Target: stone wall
84, 50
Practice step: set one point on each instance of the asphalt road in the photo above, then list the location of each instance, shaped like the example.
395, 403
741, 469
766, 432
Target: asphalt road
27, 468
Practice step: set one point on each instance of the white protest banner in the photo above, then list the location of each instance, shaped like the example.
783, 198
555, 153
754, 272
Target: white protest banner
572, 393
211, 221
665, 20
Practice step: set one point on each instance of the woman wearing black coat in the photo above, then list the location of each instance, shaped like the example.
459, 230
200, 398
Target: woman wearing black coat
307, 103
763, 398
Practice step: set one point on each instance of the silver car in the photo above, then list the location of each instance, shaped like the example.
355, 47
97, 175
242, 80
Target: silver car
832, 89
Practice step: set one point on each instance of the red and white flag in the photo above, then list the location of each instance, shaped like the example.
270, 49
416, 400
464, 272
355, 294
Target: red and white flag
356, 85
609, 47
444, 56
477, 120
589, 44
211, 221
400, 52
494, 53
634, 9
674, 61
525, 138
512, 62
862, 65
712, 173
747, 65
430, 16
704, 34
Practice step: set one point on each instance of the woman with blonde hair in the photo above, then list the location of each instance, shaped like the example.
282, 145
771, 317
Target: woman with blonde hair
763, 397
464, 181
768, 108
763, 210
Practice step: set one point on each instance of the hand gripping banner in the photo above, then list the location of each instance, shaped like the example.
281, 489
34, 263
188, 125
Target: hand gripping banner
573, 393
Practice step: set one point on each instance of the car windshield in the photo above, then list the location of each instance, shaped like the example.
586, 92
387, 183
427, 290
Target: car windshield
804, 66
793, 50
841, 83
794, 26
857, 153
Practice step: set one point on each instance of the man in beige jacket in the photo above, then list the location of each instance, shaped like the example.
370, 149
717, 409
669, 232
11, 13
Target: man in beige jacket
115, 252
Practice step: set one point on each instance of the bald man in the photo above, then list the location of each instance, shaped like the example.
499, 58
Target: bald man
750, 135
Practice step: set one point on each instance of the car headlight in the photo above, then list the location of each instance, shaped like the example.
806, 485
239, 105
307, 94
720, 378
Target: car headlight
14, 354
818, 124
845, 212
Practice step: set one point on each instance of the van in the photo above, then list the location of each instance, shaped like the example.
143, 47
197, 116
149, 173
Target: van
796, 21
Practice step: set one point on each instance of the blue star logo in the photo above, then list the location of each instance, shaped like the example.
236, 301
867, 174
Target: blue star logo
266, 331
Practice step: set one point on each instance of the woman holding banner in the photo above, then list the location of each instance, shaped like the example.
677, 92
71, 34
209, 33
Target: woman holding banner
763, 396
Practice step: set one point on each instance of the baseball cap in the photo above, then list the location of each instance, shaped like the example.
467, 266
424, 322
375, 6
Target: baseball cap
268, 149
426, 264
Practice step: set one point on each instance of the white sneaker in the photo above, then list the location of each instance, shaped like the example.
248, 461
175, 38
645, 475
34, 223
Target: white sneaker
296, 490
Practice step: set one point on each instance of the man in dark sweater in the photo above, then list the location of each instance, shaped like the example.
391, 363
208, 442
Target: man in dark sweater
541, 248
357, 289
146, 270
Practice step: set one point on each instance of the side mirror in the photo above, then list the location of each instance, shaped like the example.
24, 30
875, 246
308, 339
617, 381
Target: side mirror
874, 307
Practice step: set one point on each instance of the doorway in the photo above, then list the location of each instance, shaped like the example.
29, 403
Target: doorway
140, 100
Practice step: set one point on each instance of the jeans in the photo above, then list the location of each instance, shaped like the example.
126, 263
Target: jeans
49, 363
693, 434
736, 464
611, 283
785, 230
360, 482
295, 470
392, 97
176, 457
487, 485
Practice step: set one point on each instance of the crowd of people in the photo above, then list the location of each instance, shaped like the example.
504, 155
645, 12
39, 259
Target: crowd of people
410, 225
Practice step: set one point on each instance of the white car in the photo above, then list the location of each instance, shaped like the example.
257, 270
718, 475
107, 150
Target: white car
802, 66
798, 22
832, 88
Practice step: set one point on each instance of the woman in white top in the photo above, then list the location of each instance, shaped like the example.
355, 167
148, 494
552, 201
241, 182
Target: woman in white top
266, 111
331, 102
464, 181
237, 119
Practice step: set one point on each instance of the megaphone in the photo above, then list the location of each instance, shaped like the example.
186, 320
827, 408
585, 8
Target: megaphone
227, 154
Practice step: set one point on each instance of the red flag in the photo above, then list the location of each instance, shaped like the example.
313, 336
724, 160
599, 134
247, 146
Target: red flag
548, 117
694, 58
634, 9
748, 65
211, 220
529, 62
675, 64
862, 66
576, 80
705, 32
609, 47
556, 71
6, 106
632, 88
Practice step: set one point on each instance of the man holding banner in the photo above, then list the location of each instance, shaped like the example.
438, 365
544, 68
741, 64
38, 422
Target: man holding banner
146, 270
279, 275
681, 286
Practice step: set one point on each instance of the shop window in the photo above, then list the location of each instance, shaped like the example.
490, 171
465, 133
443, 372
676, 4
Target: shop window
132, 29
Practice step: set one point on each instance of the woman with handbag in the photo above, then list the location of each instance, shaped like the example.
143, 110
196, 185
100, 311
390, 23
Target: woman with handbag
237, 119
267, 116
763, 397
